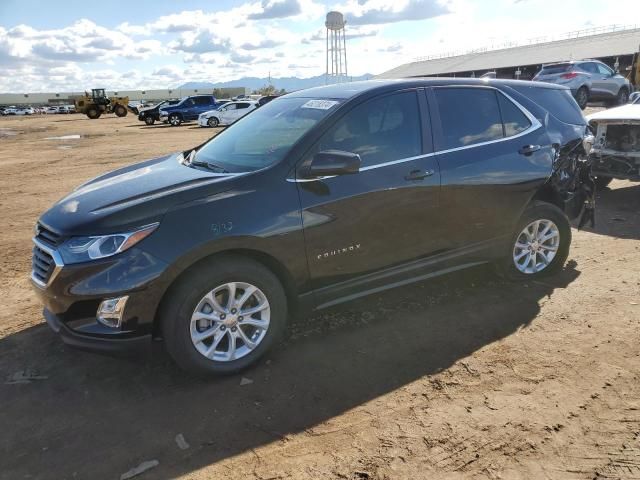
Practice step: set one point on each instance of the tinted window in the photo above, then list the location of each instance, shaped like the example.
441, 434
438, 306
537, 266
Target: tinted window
379, 130
468, 116
589, 67
557, 68
188, 102
558, 102
242, 105
513, 119
202, 100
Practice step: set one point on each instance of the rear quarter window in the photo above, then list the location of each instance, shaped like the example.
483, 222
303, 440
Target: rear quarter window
558, 102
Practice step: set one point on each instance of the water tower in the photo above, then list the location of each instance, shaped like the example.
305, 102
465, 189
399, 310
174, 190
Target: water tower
336, 48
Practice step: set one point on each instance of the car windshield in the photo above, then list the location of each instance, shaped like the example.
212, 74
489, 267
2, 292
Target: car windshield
265, 136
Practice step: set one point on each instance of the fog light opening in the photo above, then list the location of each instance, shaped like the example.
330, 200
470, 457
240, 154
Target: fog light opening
110, 311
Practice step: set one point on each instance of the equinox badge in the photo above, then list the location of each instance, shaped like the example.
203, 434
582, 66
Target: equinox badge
339, 251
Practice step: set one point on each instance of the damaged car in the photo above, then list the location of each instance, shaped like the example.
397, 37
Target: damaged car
342, 191
616, 149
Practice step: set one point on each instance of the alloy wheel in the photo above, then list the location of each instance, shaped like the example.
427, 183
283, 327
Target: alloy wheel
230, 321
536, 246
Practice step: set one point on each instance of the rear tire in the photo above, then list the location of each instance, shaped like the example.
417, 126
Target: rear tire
149, 120
602, 182
120, 111
548, 241
174, 120
582, 97
193, 297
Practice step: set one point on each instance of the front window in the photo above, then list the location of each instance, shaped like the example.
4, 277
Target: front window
604, 70
264, 137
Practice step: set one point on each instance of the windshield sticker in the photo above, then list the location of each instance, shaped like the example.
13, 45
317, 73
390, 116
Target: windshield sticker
320, 104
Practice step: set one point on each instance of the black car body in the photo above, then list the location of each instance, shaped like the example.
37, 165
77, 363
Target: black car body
342, 191
150, 115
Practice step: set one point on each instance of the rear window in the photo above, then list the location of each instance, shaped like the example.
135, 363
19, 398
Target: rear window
558, 102
557, 68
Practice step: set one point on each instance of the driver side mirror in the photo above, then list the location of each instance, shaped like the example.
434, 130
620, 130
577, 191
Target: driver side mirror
333, 162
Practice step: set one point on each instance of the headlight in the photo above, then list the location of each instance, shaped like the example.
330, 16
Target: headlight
83, 249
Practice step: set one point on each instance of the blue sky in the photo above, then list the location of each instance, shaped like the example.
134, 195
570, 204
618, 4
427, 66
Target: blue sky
73, 45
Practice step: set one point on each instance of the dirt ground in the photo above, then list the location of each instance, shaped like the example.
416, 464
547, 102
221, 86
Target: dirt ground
465, 377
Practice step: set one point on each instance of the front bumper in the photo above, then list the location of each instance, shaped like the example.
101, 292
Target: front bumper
202, 121
105, 343
164, 118
71, 299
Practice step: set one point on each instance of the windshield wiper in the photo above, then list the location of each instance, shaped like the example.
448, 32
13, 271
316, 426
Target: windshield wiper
191, 161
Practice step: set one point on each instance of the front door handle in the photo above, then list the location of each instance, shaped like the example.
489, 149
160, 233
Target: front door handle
528, 149
419, 174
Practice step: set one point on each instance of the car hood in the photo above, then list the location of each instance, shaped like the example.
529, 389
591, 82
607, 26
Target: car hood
132, 196
628, 112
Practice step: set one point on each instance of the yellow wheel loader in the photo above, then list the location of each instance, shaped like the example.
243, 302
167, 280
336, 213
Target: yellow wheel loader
98, 103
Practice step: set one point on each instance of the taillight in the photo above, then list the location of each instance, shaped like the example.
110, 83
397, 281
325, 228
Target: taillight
569, 75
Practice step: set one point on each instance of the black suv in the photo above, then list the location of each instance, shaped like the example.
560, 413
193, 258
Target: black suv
318, 197
151, 115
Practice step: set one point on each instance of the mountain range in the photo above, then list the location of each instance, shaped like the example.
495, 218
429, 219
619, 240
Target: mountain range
290, 84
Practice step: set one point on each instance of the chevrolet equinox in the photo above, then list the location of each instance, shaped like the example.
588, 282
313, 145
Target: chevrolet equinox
318, 197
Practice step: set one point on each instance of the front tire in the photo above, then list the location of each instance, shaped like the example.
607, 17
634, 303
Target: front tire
582, 97
213, 122
93, 113
623, 97
223, 316
149, 120
120, 111
539, 245
175, 120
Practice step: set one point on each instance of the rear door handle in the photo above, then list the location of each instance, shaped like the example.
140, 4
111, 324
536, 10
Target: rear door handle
528, 149
419, 174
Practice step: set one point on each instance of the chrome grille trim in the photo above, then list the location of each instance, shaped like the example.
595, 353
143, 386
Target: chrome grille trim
46, 264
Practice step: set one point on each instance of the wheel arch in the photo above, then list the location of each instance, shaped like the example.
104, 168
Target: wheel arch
547, 194
265, 259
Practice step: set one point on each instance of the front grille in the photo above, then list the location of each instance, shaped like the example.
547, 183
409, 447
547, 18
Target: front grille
42, 265
48, 236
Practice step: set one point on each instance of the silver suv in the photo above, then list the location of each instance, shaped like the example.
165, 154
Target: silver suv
588, 80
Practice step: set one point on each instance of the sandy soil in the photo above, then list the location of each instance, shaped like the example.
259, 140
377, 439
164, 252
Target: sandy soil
468, 377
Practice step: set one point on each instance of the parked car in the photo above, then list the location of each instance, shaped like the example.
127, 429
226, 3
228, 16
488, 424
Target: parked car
67, 109
10, 111
616, 150
589, 80
266, 99
151, 114
343, 191
51, 110
226, 114
25, 111
189, 108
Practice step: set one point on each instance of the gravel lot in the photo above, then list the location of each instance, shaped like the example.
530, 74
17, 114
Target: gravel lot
468, 377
